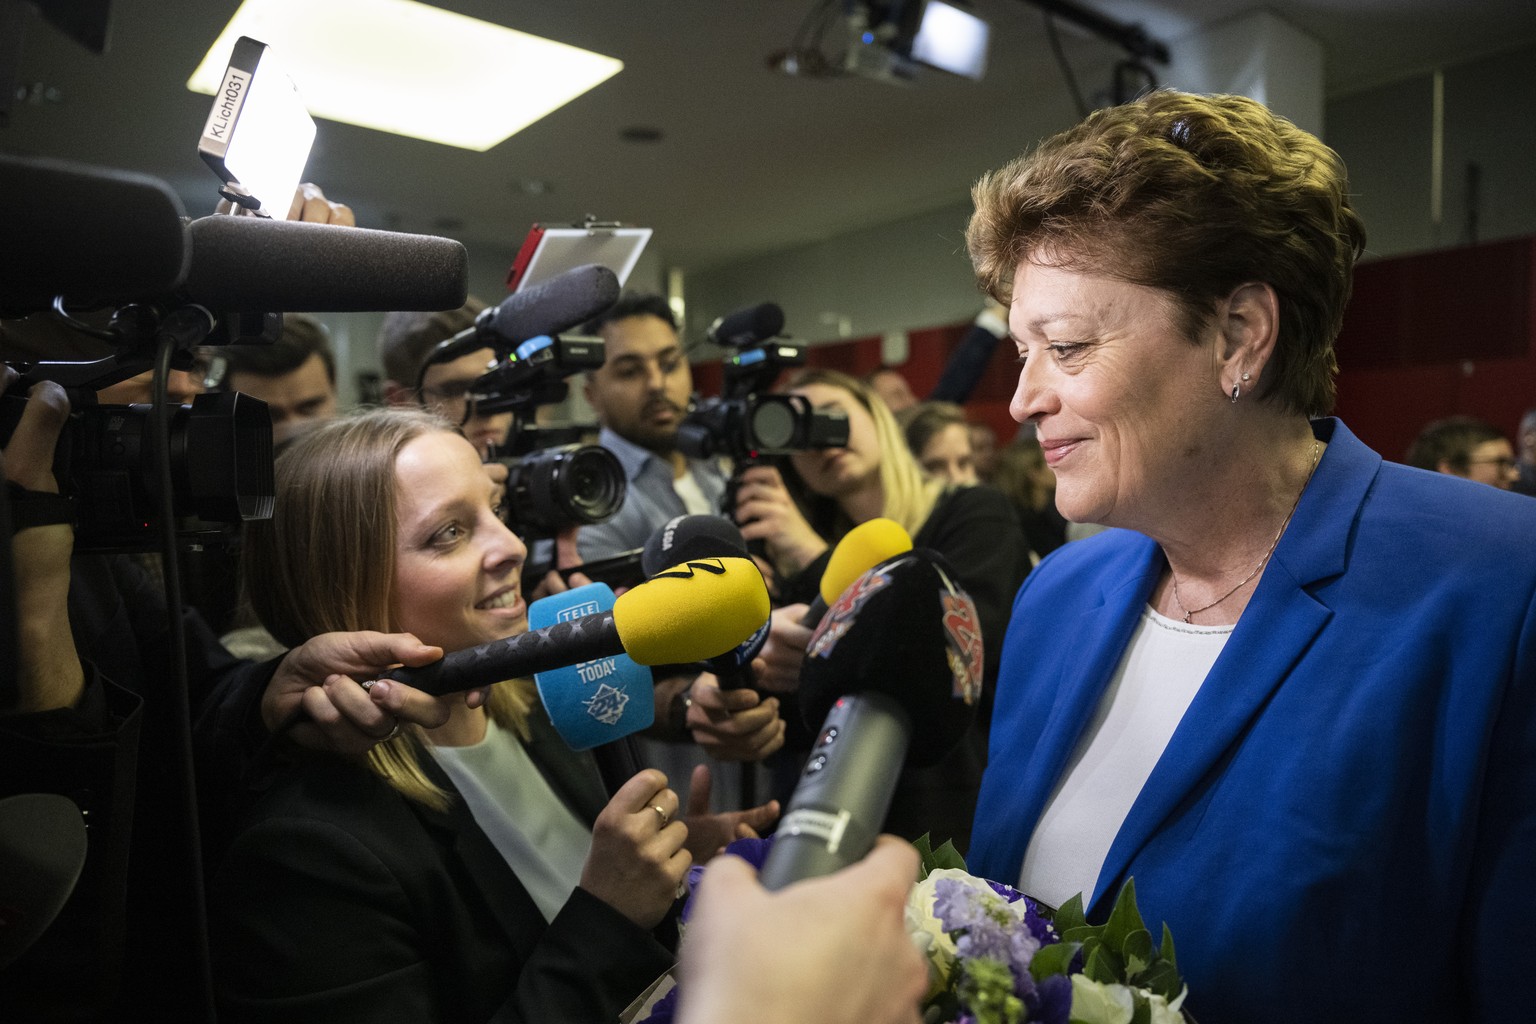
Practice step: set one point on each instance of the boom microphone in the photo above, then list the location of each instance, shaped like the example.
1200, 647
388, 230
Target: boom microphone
861, 549
93, 235
901, 645
564, 301
745, 327
256, 265
569, 298
692, 611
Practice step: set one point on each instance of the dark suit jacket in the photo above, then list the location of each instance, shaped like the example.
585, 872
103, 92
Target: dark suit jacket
1343, 825
343, 901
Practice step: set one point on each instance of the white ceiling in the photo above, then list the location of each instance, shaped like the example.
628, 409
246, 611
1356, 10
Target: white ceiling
749, 161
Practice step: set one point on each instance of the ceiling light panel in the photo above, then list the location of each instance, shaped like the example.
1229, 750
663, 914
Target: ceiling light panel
411, 69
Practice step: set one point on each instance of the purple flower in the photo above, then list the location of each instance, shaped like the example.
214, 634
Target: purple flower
753, 851
1051, 1001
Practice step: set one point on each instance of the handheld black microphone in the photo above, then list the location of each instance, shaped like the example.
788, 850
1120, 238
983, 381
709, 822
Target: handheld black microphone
691, 536
705, 536
689, 612
93, 235
901, 646
745, 327
256, 265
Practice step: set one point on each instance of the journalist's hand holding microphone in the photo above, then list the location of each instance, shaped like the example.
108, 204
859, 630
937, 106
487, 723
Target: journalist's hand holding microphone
638, 860
733, 725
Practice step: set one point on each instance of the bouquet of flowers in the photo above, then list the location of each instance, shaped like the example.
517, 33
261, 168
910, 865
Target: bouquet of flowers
996, 956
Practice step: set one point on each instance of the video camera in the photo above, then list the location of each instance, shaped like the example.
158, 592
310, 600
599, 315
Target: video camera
219, 448
552, 481
744, 423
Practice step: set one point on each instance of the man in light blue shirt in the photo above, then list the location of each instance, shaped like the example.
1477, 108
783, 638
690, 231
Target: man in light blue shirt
640, 395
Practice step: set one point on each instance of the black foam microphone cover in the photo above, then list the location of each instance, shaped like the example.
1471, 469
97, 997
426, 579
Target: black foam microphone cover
256, 265
564, 301
686, 537
747, 326
905, 629
94, 235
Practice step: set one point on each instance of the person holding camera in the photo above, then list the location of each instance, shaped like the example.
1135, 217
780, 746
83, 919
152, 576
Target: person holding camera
801, 507
94, 719
640, 396
405, 341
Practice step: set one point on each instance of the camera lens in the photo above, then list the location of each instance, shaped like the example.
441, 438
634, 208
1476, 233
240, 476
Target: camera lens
773, 422
573, 485
590, 484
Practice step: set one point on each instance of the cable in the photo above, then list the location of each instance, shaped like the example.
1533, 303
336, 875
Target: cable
1061, 61
189, 318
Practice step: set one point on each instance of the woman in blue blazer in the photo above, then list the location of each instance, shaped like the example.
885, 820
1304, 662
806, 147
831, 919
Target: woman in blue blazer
1294, 694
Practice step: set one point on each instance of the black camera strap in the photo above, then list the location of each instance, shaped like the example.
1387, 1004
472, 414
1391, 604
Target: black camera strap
37, 508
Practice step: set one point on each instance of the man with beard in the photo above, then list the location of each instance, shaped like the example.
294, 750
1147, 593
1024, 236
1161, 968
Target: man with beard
640, 395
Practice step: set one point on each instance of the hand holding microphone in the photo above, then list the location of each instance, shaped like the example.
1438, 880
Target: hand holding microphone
722, 712
862, 548
896, 668
689, 612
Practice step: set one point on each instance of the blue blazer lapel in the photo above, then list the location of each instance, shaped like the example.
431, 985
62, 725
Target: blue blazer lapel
1084, 647
1280, 622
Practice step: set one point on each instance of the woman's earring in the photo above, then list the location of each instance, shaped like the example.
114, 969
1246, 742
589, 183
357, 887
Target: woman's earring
1235, 392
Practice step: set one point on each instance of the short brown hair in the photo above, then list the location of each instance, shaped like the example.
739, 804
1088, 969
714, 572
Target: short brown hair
405, 339
1194, 195
1451, 441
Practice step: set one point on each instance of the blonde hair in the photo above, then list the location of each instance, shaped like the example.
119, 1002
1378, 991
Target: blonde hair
909, 493
325, 561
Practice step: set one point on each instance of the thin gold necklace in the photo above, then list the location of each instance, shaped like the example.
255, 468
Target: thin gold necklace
1317, 449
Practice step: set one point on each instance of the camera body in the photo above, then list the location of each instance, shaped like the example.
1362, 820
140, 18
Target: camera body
746, 424
553, 482
218, 449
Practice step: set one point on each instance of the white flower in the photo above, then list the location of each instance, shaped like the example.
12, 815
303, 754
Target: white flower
928, 933
1096, 1003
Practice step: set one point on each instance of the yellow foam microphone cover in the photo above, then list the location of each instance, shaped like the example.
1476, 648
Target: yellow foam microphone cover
692, 611
861, 549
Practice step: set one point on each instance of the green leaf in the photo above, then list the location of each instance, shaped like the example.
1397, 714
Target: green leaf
1104, 966
1083, 933
930, 860
1141, 1010
1124, 918
1165, 951
1070, 915
949, 857
1162, 979
1138, 952
1052, 959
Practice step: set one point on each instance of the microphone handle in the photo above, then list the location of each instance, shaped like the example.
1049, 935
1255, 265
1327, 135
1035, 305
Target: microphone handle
538, 650
844, 791
815, 613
